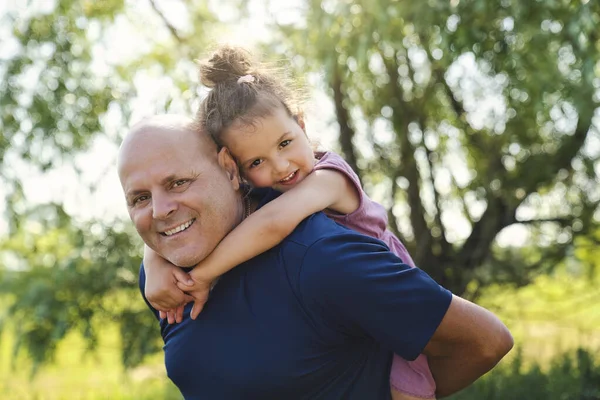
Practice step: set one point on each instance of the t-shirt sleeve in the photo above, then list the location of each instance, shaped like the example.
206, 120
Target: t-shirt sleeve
141, 285
334, 162
357, 285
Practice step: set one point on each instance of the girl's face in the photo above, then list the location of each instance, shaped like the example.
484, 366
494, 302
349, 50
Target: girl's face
272, 152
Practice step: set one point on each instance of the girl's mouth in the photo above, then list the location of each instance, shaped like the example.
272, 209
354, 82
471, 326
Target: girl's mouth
290, 179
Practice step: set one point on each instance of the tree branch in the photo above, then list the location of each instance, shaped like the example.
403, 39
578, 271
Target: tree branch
567, 150
343, 119
436, 199
459, 111
402, 116
392, 222
169, 26
476, 249
462, 200
558, 220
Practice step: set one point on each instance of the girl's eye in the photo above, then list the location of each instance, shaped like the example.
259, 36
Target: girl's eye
255, 163
285, 143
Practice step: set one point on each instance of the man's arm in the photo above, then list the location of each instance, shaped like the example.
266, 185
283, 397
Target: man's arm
469, 342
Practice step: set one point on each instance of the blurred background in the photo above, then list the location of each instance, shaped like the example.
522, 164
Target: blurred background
475, 122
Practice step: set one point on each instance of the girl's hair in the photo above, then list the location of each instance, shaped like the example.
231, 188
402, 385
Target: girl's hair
242, 91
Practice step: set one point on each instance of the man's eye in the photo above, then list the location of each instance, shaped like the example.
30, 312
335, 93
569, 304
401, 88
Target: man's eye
140, 199
255, 163
285, 143
180, 182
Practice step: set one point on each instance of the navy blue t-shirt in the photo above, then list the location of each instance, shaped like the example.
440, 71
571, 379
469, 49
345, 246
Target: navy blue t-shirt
316, 317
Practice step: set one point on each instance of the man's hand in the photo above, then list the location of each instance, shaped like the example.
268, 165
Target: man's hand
198, 287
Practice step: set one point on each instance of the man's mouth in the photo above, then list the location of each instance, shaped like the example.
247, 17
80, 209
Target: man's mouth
289, 177
179, 228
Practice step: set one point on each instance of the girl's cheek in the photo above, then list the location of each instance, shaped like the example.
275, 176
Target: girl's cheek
259, 180
252, 178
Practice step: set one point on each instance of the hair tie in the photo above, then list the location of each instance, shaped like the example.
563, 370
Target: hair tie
246, 79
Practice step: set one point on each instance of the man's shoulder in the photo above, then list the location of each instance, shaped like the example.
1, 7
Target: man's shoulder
321, 249
313, 228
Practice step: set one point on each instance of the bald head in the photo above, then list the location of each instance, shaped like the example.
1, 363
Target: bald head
167, 127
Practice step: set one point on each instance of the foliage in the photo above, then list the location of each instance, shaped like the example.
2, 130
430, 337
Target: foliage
66, 278
51, 101
475, 115
60, 89
571, 376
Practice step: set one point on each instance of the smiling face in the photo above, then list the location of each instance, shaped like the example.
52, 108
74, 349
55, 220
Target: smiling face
272, 152
182, 196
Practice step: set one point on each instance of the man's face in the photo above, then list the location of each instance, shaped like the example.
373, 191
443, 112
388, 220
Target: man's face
181, 197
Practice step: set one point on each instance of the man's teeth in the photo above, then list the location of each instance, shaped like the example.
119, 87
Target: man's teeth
287, 178
180, 228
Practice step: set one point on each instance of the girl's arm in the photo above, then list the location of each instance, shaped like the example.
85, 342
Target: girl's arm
161, 289
268, 226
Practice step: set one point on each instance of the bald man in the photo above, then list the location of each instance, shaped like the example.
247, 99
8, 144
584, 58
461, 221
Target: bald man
316, 317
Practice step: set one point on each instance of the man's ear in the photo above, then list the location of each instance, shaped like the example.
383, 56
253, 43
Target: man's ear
230, 167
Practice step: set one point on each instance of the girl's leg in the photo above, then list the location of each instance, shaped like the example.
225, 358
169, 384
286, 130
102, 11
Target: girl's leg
411, 380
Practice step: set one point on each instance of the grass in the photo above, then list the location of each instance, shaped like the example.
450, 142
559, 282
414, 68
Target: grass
77, 373
554, 315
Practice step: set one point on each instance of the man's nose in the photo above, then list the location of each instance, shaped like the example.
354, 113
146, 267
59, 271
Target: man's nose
163, 206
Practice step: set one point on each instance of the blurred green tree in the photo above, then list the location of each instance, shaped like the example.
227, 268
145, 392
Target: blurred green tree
58, 92
475, 115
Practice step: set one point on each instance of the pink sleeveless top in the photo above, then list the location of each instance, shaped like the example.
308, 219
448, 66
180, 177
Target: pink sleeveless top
370, 218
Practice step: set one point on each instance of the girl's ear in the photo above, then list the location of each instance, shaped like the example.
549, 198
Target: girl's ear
227, 162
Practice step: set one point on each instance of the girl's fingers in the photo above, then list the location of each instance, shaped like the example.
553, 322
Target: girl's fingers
179, 314
182, 277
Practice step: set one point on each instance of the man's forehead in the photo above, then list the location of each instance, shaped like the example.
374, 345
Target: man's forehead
172, 122
166, 141
166, 129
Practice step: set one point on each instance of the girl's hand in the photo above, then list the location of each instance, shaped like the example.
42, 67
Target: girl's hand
198, 288
161, 289
172, 316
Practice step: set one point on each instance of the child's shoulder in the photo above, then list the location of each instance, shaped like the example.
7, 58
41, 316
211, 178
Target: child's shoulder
331, 160
326, 155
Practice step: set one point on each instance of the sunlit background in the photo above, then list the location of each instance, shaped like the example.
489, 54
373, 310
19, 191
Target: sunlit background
476, 123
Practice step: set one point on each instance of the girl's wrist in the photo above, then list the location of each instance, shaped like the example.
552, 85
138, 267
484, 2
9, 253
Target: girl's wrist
203, 272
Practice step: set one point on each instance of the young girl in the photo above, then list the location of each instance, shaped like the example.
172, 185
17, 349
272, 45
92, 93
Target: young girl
252, 114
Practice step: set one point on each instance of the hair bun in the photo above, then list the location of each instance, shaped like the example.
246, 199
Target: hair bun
228, 63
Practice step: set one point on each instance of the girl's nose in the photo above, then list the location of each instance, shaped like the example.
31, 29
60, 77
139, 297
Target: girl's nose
281, 165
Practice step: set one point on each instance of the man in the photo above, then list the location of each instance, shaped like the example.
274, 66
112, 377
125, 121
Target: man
316, 317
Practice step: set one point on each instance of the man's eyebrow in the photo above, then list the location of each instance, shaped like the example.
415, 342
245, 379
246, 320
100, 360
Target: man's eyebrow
168, 179
163, 181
